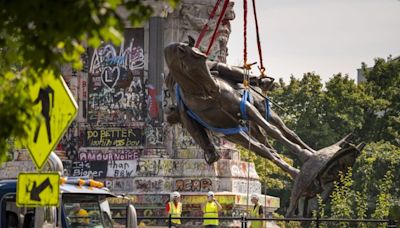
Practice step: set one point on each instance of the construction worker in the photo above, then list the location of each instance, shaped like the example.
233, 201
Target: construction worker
174, 208
210, 210
80, 216
256, 212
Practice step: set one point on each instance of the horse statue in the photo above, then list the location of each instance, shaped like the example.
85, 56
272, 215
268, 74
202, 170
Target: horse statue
210, 96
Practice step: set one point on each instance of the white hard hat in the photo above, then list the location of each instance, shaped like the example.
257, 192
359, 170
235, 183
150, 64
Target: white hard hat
175, 195
254, 196
210, 193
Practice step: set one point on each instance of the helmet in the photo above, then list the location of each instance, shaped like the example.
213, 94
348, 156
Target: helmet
210, 193
254, 196
83, 213
175, 195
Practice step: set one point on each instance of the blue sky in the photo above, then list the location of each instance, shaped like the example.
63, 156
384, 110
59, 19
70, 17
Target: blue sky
323, 36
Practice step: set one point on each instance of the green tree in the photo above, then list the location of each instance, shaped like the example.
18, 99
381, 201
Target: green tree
302, 101
343, 197
37, 37
370, 189
382, 112
343, 106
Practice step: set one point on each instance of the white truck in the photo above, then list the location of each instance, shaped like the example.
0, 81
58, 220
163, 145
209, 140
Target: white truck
83, 203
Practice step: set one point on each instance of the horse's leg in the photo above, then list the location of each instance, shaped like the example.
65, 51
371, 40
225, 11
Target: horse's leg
244, 140
275, 133
199, 135
259, 135
289, 134
277, 122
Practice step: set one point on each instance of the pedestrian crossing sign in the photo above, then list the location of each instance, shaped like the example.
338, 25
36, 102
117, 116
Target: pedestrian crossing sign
56, 108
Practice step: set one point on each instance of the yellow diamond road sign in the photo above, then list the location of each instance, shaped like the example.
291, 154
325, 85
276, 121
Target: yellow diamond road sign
58, 109
38, 189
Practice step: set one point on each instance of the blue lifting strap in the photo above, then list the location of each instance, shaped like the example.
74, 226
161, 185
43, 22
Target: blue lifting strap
225, 131
246, 97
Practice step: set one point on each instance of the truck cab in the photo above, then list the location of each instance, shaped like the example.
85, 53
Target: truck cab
80, 206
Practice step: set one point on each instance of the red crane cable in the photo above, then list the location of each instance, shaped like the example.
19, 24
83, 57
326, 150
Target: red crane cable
262, 69
245, 33
206, 27
217, 26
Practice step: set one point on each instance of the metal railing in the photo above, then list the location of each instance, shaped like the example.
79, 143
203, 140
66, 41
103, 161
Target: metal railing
309, 222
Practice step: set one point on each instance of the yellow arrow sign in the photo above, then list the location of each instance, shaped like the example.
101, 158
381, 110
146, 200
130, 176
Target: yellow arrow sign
38, 189
57, 107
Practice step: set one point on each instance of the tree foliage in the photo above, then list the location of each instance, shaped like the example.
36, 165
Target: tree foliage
382, 115
38, 37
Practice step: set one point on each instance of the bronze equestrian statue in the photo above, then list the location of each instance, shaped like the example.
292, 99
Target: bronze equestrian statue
210, 97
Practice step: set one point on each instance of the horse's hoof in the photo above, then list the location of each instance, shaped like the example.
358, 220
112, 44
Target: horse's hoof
211, 157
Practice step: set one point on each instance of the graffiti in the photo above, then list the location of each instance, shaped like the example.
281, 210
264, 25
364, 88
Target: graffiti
121, 168
173, 167
154, 135
101, 169
107, 154
152, 102
189, 168
67, 165
190, 153
230, 168
148, 167
122, 185
113, 137
94, 169
132, 57
116, 81
183, 139
154, 200
84, 89
166, 99
69, 142
83, 95
239, 186
152, 212
161, 152
193, 185
149, 185
71, 79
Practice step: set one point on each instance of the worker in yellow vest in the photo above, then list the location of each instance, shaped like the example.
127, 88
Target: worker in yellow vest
256, 212
174, 208
210, 210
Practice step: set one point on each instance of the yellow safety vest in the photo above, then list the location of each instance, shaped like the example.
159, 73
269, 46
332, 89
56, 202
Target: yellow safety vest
255, 214
175, 212
210, 211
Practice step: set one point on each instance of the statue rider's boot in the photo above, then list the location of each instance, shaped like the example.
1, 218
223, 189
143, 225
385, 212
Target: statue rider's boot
265, 84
